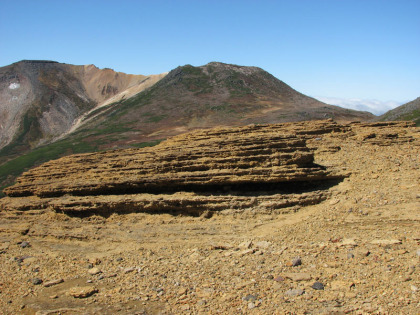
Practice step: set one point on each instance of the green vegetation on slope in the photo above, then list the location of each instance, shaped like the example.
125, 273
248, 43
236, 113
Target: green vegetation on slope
413, 116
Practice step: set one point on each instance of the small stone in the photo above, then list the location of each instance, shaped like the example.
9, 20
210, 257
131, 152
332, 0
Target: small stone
317, 286
82, 292
279, 279
94, 271
251, 305
365, 253
301, 276
296, 262
129, 269
334, 201
55, 296
53, 282
250, 298
294, 292
182, 291
25, 244
37, 281
350, 255
414, 288
418, 253
244, 252
119, 259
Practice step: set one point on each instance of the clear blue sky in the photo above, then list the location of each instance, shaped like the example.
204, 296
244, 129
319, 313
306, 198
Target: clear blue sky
334, 48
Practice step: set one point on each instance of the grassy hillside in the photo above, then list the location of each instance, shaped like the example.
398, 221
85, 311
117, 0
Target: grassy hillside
408, 111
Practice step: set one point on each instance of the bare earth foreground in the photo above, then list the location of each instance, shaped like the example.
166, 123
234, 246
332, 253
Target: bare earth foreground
349, 246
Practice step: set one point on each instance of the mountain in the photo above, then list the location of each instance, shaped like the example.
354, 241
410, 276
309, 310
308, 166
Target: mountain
53, 109
216, 94
42, 100
408, 111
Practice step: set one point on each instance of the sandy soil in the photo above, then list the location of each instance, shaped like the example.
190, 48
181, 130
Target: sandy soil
359, 250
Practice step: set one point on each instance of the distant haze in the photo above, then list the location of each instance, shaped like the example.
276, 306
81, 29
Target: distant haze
375, 107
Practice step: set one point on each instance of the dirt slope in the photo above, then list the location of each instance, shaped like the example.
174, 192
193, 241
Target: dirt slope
358, 249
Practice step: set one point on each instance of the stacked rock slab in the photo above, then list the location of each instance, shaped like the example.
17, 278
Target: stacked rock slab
258, 166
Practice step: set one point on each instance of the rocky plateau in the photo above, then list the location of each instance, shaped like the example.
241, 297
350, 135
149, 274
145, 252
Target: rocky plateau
296, 218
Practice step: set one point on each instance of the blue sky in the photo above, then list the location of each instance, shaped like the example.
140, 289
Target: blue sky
336, 49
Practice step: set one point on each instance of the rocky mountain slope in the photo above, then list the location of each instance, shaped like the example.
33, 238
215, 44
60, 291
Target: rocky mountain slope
408, 111
334, 230
216, 94
42, 100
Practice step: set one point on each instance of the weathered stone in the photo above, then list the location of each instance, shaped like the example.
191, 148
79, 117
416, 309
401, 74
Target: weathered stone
250, 298
37, 281
53, 282
25, 244
82, 292
94, 271
317, 286
294, 292
300, 276
296, 262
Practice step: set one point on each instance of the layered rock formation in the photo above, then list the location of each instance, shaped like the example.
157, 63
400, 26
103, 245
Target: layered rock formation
266, 166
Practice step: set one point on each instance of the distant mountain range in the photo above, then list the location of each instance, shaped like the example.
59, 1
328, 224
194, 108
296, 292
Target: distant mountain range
49, 109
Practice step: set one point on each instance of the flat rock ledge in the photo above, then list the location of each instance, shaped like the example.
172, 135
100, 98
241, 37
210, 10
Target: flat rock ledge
263, 167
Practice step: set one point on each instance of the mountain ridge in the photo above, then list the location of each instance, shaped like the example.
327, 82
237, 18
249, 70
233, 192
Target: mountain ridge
42, 99
212, 95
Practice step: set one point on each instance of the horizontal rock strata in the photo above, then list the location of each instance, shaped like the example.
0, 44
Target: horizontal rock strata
258, 166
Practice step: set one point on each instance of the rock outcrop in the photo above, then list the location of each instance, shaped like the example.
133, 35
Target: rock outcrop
207, 170
265, 167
